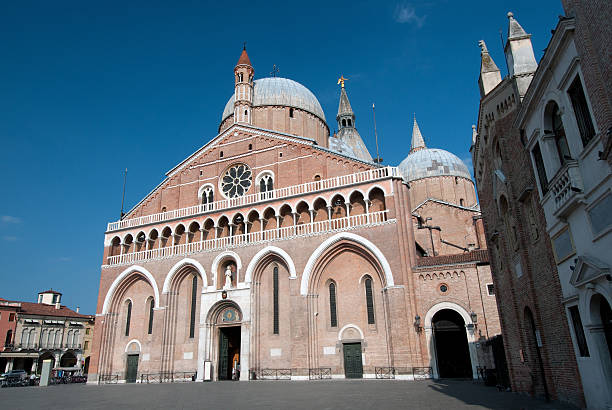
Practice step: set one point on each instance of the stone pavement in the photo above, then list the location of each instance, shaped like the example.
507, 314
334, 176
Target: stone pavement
336, 394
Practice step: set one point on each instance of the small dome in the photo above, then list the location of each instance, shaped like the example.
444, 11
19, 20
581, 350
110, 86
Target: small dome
281, 92
432, 162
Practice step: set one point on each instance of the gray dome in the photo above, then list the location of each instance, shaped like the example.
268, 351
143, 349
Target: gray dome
283, 92
432, 162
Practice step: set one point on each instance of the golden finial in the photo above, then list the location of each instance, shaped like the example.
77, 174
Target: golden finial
341, 81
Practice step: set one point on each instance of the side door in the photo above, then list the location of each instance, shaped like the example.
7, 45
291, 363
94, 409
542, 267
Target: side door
353, 367
132, 368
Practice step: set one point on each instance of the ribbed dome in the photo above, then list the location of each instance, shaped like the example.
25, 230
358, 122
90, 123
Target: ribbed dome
432, 162
281, 92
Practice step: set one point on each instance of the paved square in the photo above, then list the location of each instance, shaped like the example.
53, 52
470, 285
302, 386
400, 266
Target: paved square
337, 394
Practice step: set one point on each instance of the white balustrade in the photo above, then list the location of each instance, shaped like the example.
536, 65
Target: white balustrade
302, 189
566, 187
254, 238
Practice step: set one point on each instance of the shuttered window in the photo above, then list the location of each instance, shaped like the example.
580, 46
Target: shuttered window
332, 305
581, 111
369, 301
128, 318
275, 290
194, 295
151, 306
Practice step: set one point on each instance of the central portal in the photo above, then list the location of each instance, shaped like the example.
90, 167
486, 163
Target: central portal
229, 353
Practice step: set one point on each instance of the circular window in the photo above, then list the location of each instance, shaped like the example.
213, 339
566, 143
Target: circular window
444, 288
236, 181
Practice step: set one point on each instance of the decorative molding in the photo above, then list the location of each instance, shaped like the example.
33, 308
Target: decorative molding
125, 274
332, 241
180, 264
264, 252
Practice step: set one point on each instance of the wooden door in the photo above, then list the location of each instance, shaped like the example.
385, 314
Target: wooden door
353, 367
132, 368
223, 355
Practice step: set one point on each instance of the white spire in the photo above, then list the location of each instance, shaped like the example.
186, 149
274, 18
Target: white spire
417, 138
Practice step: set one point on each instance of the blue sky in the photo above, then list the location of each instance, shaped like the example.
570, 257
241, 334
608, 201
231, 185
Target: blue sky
90, 88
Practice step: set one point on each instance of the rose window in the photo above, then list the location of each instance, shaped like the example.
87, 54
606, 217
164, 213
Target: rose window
236, 181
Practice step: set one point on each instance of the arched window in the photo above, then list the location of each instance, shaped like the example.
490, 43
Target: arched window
207, 195
266, 184
344, 123
194, 296
25, 336
333, 318
349, 122
369, 300
151, 306
290, 112
461, 202
275, 291
128, 317
9, 337
69, 339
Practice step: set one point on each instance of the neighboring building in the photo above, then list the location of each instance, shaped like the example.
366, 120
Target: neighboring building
280, 251
592, 38
574, 188
46, 330
545, 193
8, 324
87, 343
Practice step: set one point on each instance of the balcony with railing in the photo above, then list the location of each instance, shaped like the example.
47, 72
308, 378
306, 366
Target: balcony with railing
567, 189
255, 238
279, 193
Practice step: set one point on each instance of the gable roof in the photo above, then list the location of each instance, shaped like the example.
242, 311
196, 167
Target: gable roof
256, 131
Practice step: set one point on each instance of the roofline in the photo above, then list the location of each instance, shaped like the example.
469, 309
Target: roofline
563, 29
247, 128
465, 208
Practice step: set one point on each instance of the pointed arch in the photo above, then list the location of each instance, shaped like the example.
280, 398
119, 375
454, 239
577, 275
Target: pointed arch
388, 276
181, 264
138, 270
264, 252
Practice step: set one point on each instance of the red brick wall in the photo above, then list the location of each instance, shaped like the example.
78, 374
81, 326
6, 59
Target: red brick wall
538, 289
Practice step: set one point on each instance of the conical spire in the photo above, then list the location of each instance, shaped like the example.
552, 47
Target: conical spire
344, 107
489, 73
417, 138
514, 28
519, 53
244, 58
347, 132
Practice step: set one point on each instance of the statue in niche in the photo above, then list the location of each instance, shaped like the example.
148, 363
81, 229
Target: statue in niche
228, 277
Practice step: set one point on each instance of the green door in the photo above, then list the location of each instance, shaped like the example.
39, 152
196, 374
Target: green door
132, 368
353, 368
223, 355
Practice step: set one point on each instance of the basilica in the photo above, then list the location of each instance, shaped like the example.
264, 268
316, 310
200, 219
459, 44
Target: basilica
279, 251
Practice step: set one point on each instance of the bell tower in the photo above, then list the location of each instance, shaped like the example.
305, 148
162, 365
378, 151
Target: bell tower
243, 89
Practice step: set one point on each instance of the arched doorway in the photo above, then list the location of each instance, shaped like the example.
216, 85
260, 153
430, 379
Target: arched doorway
43, 357
227, 336
451, 344
68, 360
602, 317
